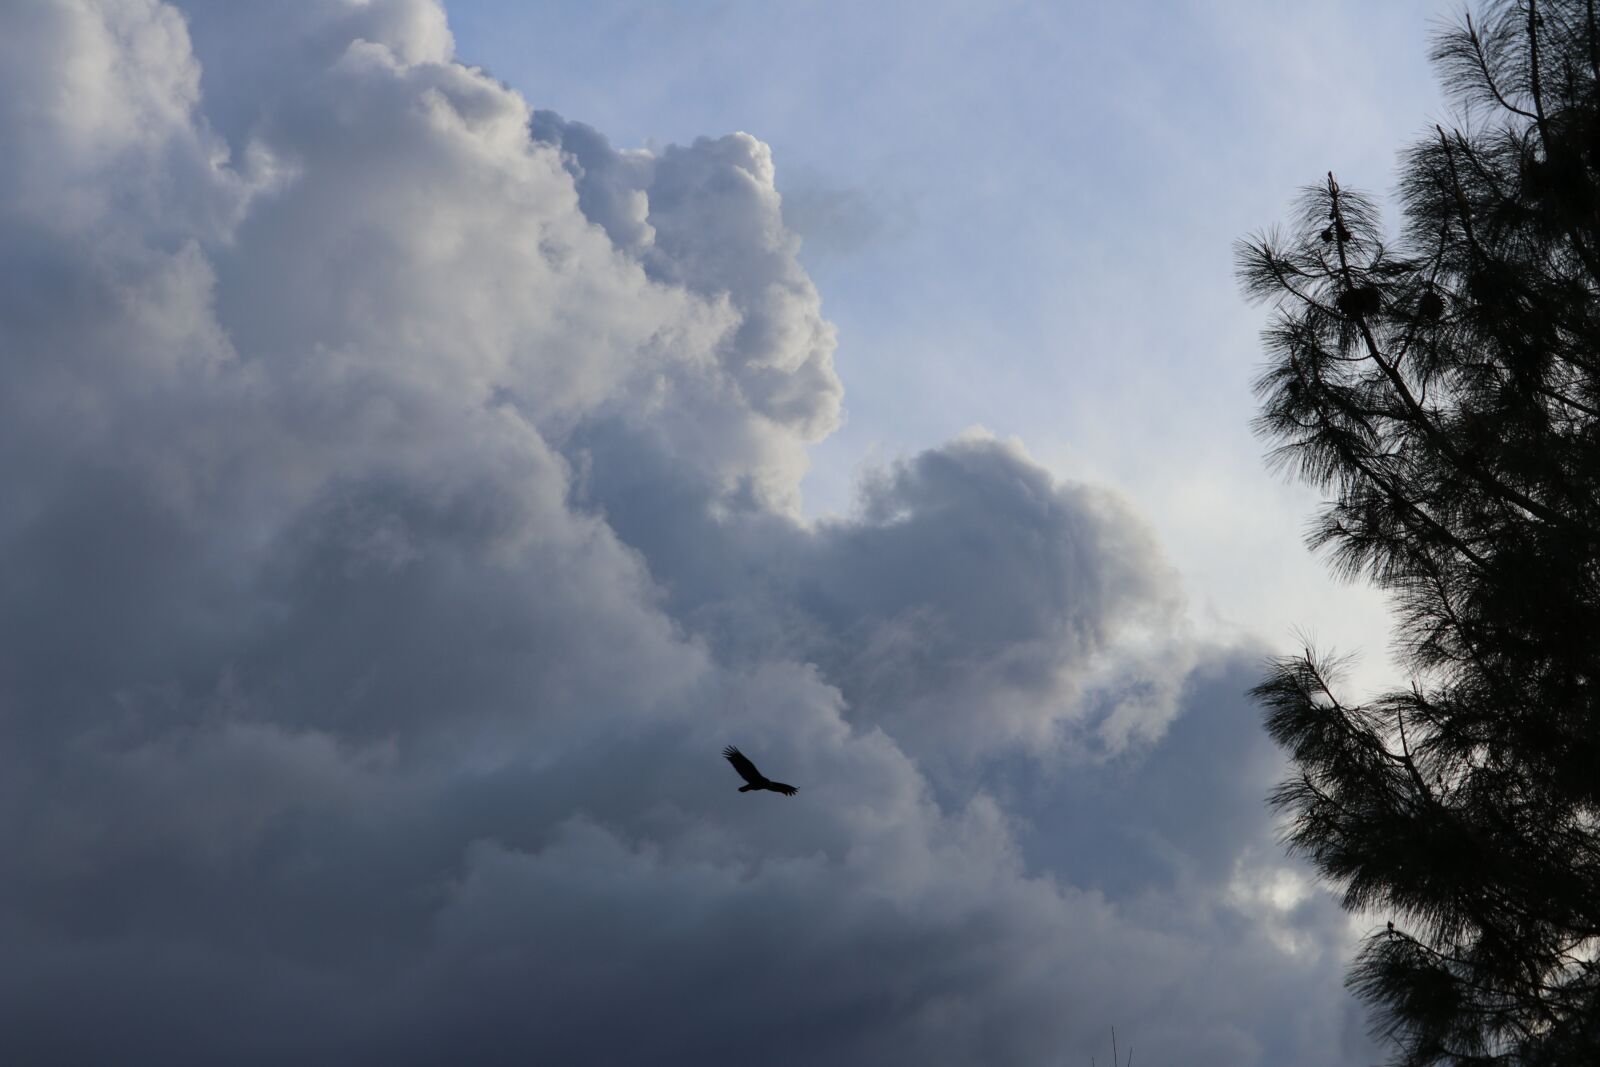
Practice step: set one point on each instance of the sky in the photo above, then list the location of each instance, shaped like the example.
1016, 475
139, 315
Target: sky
433, 431
1021, 216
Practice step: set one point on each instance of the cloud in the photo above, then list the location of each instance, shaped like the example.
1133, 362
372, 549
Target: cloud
402, 511
837, 220
972, 603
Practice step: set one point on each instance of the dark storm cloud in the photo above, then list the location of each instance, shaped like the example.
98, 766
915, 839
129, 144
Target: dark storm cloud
400, 516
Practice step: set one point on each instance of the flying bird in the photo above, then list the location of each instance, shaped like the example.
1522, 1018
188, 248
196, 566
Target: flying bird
756, 780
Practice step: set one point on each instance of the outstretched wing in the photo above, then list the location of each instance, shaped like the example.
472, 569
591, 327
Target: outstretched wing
779, 787
742, 764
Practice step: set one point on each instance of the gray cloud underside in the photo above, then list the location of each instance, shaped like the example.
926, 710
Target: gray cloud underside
402, 511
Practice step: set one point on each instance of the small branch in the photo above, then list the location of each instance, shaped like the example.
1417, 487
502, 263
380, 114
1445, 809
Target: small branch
1410, 764
1488, 79
1533, 63
1594, 42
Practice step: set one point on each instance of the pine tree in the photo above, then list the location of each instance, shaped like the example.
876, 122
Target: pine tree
1444, 390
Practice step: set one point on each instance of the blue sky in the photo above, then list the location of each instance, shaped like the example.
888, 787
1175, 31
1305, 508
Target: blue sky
434, 431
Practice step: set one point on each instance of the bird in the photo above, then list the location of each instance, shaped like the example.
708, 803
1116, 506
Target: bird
756, 780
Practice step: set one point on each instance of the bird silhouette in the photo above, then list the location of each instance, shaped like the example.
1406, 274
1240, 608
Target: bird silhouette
755, 778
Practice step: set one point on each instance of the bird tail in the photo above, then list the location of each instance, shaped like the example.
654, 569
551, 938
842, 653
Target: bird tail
746, 788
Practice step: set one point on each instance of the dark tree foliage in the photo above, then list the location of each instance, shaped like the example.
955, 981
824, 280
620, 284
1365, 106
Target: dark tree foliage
1444, 390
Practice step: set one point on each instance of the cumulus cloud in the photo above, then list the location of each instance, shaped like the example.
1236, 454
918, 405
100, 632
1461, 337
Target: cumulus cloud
402, 510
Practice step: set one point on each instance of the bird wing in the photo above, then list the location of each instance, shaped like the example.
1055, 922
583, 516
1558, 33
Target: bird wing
742, 764
779, 787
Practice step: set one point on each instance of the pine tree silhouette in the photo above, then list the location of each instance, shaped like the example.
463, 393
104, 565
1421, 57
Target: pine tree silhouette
1444, 389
